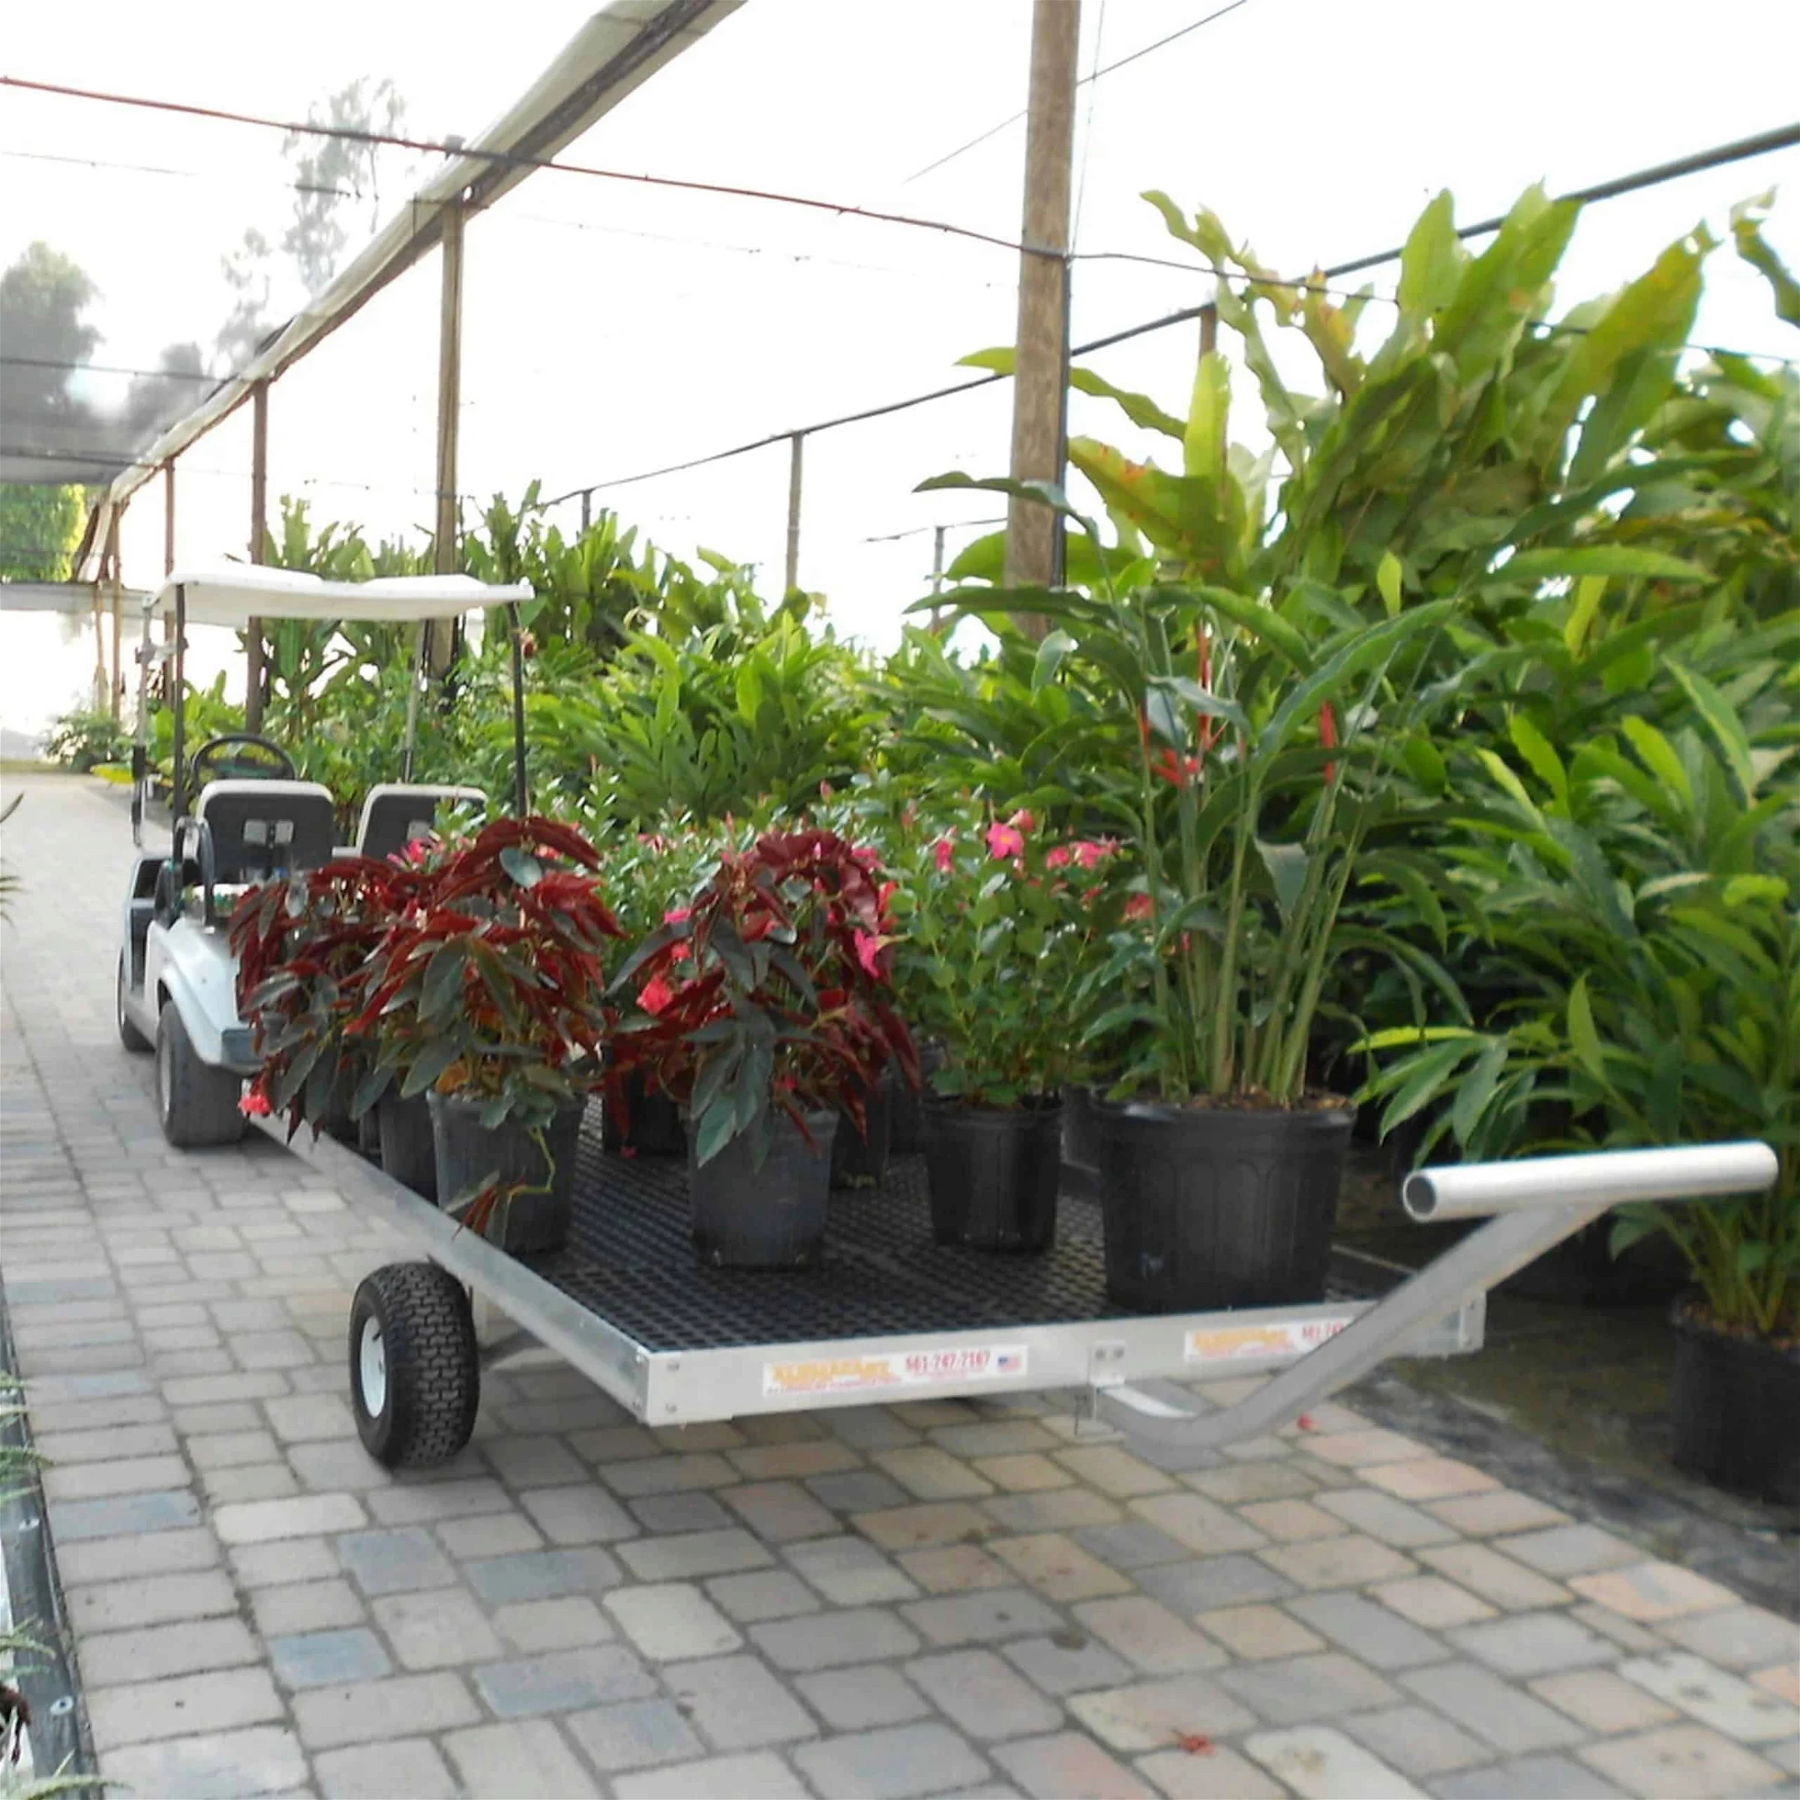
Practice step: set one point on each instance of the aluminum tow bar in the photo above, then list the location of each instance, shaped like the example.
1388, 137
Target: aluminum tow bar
1531, 1205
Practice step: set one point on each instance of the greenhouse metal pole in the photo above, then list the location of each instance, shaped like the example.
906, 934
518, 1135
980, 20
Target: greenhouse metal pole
1041, 380
168, 674
259, 499
112, 566
441, 632
797, 447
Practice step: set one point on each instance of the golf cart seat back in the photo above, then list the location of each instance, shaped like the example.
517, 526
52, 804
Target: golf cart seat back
264, 828
396, 813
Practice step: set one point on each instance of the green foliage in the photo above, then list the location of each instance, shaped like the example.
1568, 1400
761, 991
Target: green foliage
998, 928
86, 736
39, 530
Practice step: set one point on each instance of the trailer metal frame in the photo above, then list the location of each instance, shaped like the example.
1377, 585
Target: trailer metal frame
893, 1317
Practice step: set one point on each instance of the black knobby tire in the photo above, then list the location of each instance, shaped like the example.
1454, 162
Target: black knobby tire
197, 1103
129, 1035
423, 1411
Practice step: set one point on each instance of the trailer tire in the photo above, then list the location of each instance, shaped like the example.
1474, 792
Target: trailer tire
415, 1376
129, 1035
197, 1103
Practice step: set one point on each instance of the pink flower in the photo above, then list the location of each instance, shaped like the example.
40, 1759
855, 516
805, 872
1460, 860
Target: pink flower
1004, 841
1023, 820
655, 995
255, 1103
868, 953
1090, 853
943, 852
1138, 906
677, 915
416, 852
1059, 858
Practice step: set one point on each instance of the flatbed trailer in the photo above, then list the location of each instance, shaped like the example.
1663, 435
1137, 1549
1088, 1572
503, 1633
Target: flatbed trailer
891, 1315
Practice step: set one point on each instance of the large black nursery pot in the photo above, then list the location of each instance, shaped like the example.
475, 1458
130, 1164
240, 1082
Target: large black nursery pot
1208, 1207
859, 1158
537, 1217
646, 1121
993, 1173
407, 1142
1735, 1407
767, 1216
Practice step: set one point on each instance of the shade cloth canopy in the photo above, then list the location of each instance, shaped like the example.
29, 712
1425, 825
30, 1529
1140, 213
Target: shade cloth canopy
236, 594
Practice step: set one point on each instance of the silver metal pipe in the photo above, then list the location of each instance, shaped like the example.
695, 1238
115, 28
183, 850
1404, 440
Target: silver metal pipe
1596, 1178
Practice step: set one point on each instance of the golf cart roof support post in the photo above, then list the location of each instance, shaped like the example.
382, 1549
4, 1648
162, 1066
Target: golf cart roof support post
415, 675
259, 505
521, 791
178, 789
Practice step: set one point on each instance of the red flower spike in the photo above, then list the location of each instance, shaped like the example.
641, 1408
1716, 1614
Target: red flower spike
654, 996
1139, 906
255, 1104
943, 853
1328, 735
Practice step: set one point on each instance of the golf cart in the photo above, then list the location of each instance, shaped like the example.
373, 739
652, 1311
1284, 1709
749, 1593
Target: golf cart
240, 816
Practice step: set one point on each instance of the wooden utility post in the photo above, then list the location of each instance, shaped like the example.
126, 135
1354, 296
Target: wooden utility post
797, 445
259, 510
446, 559
166, 680
1041, 378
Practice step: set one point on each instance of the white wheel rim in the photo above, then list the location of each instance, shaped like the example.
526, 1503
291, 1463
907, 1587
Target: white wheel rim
371, 1368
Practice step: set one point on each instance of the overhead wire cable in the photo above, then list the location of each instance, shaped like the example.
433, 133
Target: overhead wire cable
513, 159
1739, 150
1095, 75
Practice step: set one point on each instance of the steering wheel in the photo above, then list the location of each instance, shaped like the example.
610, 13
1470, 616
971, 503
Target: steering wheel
211, 763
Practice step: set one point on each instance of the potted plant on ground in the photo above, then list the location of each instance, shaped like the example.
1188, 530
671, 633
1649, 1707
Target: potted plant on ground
767, 1010
999, 922
1643, 902
488, 998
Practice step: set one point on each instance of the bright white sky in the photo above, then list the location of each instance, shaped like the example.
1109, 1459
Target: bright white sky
612, 328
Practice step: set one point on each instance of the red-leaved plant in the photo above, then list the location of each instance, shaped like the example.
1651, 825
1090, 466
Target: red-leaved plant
771, 994
303, 944
492, 983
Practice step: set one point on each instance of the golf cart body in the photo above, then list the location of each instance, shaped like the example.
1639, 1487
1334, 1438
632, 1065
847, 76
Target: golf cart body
239, 817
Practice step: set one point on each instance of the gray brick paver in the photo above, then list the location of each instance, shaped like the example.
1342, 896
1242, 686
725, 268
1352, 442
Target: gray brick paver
737, 1704
891, 1764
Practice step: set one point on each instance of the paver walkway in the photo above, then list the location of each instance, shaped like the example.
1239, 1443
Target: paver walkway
885, 1601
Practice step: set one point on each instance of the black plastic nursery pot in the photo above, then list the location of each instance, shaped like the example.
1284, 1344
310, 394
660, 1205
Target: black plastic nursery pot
770, 1216
1735, 1407
993, 1173
408, 1144
537, 1216
1207, 1207
650, 1124
859, 1157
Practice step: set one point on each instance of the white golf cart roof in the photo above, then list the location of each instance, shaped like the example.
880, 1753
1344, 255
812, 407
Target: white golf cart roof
236, 593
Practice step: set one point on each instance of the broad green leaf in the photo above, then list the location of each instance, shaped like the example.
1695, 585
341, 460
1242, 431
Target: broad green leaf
1722, 722
1203, 443
1582, 613
1477, 1089
1583, 1036
433, 1060
1596, 559
1658, 755
1431, 264
1388, 578
522, 866
717, 1127
1050, 654
1540, 753
442, 985
1287, 865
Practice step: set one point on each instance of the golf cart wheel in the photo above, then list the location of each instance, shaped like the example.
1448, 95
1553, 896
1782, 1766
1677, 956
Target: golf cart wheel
129, 1035
197, 1103
415, 1378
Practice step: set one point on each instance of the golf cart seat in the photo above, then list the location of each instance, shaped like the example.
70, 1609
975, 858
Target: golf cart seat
396, 813
264, 828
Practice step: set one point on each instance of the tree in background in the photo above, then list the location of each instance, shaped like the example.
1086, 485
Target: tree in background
42, 299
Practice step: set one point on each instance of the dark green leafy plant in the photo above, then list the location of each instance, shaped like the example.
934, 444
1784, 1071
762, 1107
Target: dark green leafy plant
86, 736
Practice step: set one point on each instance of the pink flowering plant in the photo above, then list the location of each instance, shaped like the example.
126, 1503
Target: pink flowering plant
1003, 923
771, 993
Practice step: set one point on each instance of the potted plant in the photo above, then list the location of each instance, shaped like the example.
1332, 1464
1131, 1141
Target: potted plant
488, 998
303, 944
767, 1010
998, 921
1643, 904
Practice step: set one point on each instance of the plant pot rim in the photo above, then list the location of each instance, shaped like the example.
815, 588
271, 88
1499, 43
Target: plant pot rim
1035, 1106
1689, 1317
475, 1102
1333, 1107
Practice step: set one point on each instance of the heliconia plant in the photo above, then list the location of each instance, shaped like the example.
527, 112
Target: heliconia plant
771, 994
